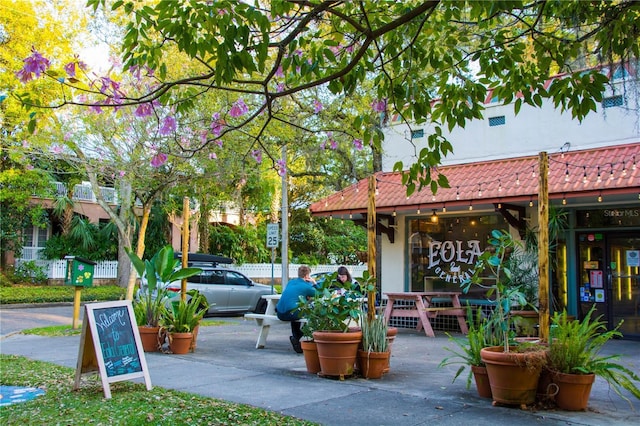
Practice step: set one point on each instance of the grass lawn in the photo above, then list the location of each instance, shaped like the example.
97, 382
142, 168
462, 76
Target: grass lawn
131, 403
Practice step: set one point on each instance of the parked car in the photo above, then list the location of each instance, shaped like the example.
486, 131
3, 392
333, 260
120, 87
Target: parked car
227, 291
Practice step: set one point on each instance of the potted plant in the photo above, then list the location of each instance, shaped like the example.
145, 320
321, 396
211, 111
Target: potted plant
373, 358
329, 314
523, 265
182, 319
513, 369
467, 353
152, 298
574, 361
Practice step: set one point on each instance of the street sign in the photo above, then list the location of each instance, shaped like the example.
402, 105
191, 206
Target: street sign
272, 235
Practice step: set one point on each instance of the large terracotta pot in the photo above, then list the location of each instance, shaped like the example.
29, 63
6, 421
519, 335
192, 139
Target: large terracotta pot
310, 352
573, 390
373, 364
192, 348
180, 343
337, 351
513, 376
482, 381
150, 338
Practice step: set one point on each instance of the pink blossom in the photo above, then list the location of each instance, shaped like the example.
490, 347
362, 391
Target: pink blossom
34, 64
298, 52
29, 167
204, 135
317, 106
122, 173
257, 155
323, 145
159, 159
239, 108
357, 143
280, 87
25, 144
56, 149
379, 105
282, 167
67, 136
333, 144
216, 124
95, 108
212, 156
279, 73
71, 67
218, 142
143, 110
168, 125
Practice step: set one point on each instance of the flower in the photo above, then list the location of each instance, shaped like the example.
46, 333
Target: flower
143, 110
357, 143
36, 64
282, 167
168, 125
239, 108
257, 155
317, 106
159, 159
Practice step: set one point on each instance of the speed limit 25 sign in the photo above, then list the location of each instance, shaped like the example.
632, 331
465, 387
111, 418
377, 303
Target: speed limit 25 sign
272, 235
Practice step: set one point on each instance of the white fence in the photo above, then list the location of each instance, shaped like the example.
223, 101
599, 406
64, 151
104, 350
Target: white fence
109, 269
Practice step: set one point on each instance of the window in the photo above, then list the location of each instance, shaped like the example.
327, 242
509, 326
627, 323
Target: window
613, 101
416, 134
236, 279
497, 121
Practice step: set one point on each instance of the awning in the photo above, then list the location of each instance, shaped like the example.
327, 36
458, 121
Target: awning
579, 178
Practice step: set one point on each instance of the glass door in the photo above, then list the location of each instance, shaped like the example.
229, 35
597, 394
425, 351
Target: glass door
624, 264
593, 286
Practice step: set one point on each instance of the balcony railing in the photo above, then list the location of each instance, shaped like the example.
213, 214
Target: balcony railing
83, 192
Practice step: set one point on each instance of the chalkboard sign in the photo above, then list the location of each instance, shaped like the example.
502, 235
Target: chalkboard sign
110, 343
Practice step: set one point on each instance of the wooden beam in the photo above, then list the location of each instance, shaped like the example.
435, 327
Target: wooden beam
371, 245
543, 246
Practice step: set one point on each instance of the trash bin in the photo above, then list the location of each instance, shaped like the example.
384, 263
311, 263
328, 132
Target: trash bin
79, 271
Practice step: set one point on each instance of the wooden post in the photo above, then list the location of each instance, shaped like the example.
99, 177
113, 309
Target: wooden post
77, 296
543, 246
185, 245
371, 245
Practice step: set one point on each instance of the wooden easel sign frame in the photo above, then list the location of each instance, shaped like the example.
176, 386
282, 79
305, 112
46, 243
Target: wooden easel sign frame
110, 345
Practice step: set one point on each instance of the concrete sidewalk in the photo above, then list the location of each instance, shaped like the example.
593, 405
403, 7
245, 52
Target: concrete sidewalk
227, 366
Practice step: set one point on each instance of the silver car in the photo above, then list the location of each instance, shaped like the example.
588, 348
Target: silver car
227, 291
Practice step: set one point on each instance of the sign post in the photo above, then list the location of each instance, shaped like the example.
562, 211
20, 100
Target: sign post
110, 345
272, 243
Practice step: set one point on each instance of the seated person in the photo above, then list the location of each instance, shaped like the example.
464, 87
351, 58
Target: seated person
287, 307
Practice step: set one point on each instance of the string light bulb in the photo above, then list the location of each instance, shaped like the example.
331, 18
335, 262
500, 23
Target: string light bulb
600, 197
457, 192
517, 179
564, 200
480, 190
531, 202
394, 212
341, 196
584, 176
611, 174
418, 211
634, 163
434, 217
599, 180
499, 186
444, 207
470, 206
566, 172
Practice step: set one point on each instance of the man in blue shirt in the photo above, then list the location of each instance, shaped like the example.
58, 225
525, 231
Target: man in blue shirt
287, 307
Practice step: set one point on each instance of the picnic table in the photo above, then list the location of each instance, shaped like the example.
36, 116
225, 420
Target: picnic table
265, 320
423, 308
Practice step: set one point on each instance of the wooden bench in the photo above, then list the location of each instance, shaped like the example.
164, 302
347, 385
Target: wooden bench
264, 322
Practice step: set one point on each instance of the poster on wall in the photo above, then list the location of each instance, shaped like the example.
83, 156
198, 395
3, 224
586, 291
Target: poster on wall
596, 279
633, 258
599, 295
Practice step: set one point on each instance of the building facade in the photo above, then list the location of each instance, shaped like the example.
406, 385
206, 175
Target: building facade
431, 241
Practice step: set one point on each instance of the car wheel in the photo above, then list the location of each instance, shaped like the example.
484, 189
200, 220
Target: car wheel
261, 308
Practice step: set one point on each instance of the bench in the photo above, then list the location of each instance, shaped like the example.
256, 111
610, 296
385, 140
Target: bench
264, 322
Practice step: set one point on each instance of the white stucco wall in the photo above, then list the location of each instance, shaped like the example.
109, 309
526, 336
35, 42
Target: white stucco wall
533, 130
392, 260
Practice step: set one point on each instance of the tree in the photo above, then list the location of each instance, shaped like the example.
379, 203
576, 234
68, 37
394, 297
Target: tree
427, 60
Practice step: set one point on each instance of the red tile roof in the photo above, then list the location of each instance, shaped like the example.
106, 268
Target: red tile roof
507, 180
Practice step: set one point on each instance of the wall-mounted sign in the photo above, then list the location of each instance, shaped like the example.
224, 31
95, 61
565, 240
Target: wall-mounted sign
596, 279
633, 258
599, 296
590, 264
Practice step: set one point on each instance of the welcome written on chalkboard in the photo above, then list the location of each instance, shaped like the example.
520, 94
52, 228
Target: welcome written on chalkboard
117, 341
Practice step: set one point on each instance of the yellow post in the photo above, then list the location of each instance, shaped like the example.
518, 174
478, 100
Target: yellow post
543, 247
371, 245
185, 245
76, 306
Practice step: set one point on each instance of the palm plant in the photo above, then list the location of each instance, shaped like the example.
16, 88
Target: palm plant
155, 275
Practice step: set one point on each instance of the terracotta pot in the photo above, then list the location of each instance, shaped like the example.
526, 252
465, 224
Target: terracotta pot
513, 376
337, 352
373, 364
482, 381
391, 336
573, 390
150, 338
179, 343
310, 352
192, 348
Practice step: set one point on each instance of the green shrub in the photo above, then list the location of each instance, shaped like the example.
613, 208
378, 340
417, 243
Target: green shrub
50, 294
